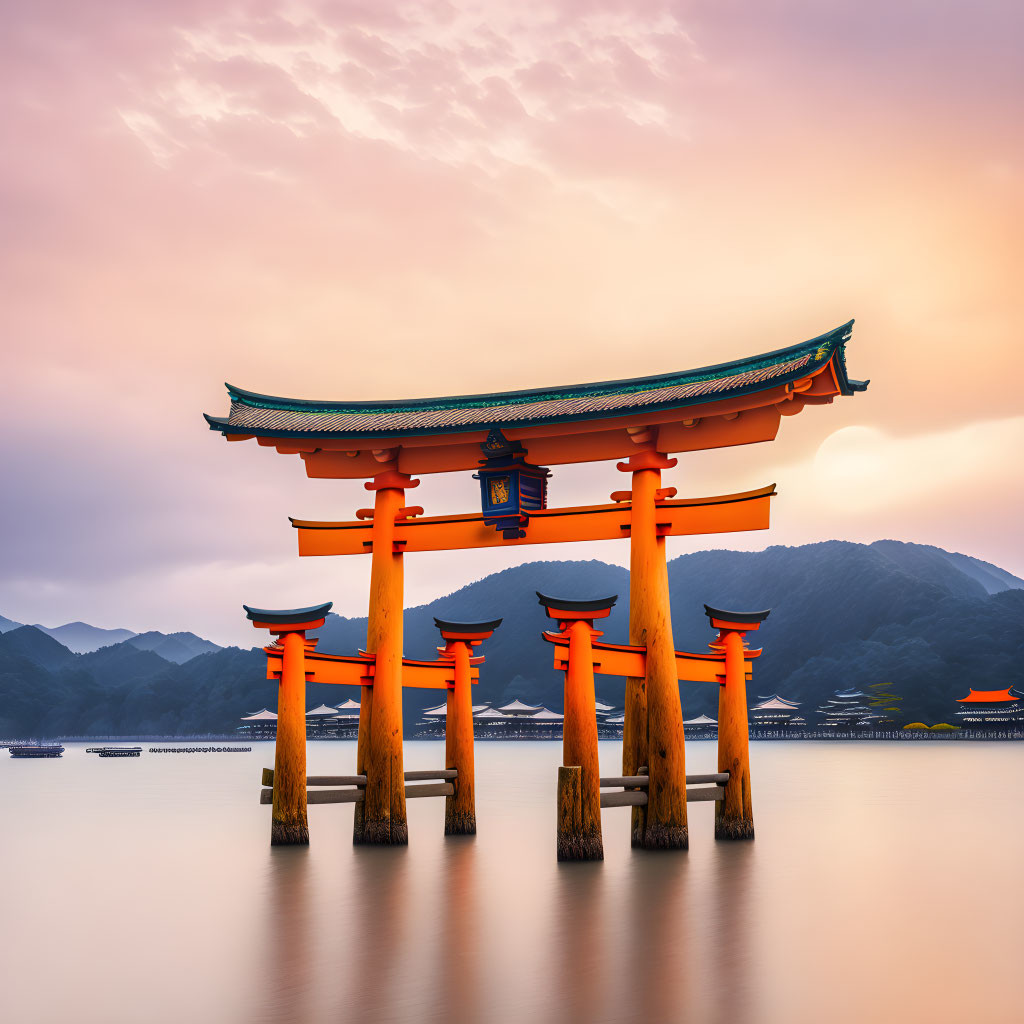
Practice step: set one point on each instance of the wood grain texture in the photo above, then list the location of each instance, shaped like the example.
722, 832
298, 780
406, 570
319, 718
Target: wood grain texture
664, 825
579, 734
734, 816
460, 807
379, 754
571, 840
289, 825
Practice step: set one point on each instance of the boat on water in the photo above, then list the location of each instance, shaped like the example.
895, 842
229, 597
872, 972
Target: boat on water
115, 751
38, 750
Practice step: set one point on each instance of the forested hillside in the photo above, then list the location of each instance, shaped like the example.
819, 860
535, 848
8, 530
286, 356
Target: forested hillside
929, 622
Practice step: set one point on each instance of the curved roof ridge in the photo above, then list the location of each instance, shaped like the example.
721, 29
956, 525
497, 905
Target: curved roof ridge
830, 340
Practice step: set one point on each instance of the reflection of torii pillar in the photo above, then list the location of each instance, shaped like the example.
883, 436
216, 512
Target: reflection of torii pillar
288, 821
380, 817
460, 638
734, 813
653, 729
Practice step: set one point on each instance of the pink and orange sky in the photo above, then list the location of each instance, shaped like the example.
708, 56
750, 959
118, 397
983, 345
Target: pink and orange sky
374, 200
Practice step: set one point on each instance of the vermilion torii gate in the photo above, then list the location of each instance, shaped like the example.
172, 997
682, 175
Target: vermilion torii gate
508, 439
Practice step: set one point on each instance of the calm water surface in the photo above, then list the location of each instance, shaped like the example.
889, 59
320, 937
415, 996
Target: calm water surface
884, 885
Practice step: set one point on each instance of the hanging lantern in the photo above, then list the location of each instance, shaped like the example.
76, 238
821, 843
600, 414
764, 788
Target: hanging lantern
510, 488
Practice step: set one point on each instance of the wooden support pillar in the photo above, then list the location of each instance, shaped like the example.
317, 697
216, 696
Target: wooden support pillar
288, 818
380, 819
579, 797
653, 729
460, 639
460, 807
734, 814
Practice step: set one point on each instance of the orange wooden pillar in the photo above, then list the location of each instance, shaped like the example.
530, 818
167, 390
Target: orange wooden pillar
734, 813
653, 729
380, 818
579, 780
288, 819
460, 638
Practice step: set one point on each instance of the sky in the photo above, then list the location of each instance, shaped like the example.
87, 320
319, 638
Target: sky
376, 200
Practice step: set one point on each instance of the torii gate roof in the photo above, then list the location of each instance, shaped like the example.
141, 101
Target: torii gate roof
691, 409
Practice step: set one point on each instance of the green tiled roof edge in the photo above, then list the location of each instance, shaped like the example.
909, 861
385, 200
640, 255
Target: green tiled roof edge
824, 345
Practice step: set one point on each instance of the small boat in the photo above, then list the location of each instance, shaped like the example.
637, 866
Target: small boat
115, 751
38, 750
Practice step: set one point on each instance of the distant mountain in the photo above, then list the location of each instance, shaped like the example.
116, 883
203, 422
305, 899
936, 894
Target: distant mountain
81, 638
928, 622
176, 647
31, 643
991, 577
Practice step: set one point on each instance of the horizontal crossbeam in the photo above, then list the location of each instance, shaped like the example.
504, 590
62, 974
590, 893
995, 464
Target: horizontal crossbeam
729, 513
355, 794
625, 798
701, 793
322, 796
358, 670
631, 661
446, 774
638, 798
625, 780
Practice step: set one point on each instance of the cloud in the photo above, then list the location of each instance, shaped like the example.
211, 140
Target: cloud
862, 469
375, 200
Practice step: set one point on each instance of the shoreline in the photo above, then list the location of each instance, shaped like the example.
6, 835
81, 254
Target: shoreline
916, 736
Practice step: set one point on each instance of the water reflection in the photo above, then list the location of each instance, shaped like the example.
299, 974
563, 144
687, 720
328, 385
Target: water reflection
579, 971
660, 968
459, 948
731, 880
842, 910
377, 933
287, 972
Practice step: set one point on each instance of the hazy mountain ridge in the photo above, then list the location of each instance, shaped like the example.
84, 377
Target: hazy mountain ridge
83, 638
176, 647
842, 614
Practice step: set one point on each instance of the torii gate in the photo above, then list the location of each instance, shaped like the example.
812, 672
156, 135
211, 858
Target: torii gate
506, 438
579, 655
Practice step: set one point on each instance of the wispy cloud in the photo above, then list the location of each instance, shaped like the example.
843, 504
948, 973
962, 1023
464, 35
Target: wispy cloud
384, 199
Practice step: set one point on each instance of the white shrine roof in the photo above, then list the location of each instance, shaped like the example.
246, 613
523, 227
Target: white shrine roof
491, 713
544, 715
349, 705
517, 707
322, 710
775, 701
260, 716
701, 720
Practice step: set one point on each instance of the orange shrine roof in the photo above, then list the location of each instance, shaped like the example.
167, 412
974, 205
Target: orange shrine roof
988, 696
